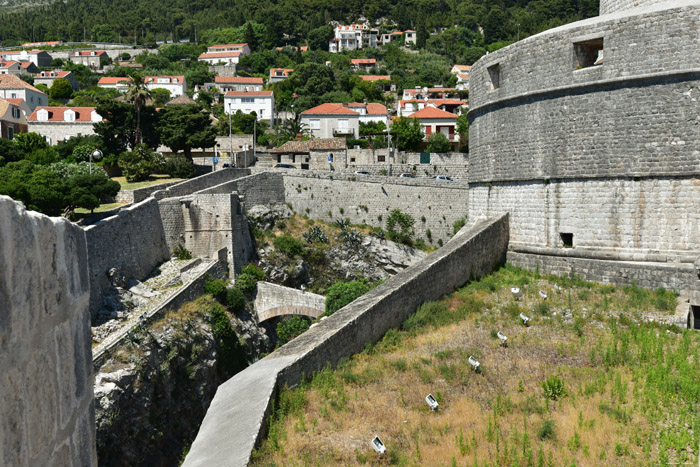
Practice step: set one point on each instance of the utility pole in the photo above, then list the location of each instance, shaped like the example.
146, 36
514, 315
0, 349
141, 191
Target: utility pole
230, 136
255, 137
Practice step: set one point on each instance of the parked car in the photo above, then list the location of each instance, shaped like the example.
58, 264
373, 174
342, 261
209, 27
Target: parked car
406, 175
285, 166
444, 178
362, 172
227, 165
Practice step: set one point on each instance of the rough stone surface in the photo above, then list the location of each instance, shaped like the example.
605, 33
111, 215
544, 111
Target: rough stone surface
275, 300
45, 356
241, 405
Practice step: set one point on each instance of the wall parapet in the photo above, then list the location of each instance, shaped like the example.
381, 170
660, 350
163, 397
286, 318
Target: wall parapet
234, 423
202, 182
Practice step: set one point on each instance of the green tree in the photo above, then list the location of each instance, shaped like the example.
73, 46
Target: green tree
61, 89
140, 163
289, 328
318, 38
103, 33
183, 127
138, 94
438, 142
86, 191
160, 96
463, 129
409, 134
399, 227
342, 293
30, 142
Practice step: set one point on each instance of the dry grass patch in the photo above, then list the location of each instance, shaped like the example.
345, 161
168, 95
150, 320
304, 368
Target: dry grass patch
620, 392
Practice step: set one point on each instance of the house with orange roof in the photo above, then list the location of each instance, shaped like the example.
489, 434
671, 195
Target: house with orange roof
39, 58
370, 112
260, 102
242, 48
12, 119
353, 37
90, 58
175, 84
365, 64
120, 83
28, 68
302, 49
332, 120
220, 58
11, 67
279, 74
42, 44
238, 83
57, 124
438, 121
14, 88
383, 80
47, 78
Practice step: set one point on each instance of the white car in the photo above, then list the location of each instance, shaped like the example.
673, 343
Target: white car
444, 178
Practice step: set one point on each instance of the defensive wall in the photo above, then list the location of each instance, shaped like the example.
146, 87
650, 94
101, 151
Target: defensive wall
46, 395
236, 418
274, 300
588, 135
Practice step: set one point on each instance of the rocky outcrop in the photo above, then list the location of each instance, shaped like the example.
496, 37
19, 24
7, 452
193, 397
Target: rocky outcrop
264, 217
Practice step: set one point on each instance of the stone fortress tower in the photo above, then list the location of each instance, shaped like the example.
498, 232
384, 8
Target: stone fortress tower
589, 136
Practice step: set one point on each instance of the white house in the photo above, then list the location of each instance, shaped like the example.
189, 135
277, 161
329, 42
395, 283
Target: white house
457, 69
408, 107
260, 102
175, 84
438, 121
353, 37
39, 58
238, 83
410, 37
120, 83
365, 64
47, 78
61, 123
11, 87
332, 120
242, 48
369, 112
279, 74
220, 58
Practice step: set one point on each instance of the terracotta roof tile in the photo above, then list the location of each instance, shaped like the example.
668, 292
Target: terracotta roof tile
328, 108
433, 113
375, 78
56, 114
13, 82
248, 93
114, 80
219, 54
238, 80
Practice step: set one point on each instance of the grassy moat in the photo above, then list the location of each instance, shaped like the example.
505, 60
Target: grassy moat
593, 380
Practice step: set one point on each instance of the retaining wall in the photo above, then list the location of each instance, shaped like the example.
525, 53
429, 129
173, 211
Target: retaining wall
235, 420
46, 401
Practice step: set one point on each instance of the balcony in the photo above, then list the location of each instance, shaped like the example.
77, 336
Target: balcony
343, 132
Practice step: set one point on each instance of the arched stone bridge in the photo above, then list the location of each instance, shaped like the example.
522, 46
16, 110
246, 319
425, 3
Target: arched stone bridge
275, 300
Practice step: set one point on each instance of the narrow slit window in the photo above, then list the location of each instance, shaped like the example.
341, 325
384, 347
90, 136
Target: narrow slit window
494, 76
588, 53
567, 239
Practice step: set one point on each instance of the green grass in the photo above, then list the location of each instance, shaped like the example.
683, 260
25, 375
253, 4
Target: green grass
100, 208
154, 180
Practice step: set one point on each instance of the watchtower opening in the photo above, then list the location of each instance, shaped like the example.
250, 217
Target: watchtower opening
694, 317
588, 53
567, 239
494, 76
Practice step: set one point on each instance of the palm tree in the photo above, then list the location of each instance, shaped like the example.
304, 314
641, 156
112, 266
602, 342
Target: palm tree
138, 93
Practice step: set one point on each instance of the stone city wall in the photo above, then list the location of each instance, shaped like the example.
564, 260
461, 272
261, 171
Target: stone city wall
276, 300
46, 402
370, 200
133, 242
201, 183
456, 172
611, 6
139, 194
265, 187
655, 215
236, 418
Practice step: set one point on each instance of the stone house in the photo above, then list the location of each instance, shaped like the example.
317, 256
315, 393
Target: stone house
12, 119
315, 154
61, 123
10, 67
47, 78
89, 58
332, 120
14, 88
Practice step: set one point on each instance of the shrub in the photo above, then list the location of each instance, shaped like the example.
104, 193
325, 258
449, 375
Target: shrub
249, 277
179, 166
217, 288
546, 431
399, 227
180, 252
232, 357
458, 224
553, 387
235, 300
438, 142
316, 235
342, 293
290, 328
350, 237
290, 246
140, 163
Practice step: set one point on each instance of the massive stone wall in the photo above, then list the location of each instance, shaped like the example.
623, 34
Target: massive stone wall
133, 242
201, 183
48, 416
236, 418
261, 188
370, 199
611, 6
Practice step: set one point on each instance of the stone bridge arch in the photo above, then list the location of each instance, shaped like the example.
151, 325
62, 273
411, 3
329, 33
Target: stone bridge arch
274, 300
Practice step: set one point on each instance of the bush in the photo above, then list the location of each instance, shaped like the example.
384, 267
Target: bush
457, 226
217, 288
439, 143
290, 246
553, 388
139, 164
546, 431
249, 277
316, 235
290, 328
179, 166
342, 293
180, 252
235, 300
399, 227
232, 358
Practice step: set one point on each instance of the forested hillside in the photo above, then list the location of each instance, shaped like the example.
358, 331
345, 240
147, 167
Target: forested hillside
285, 21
